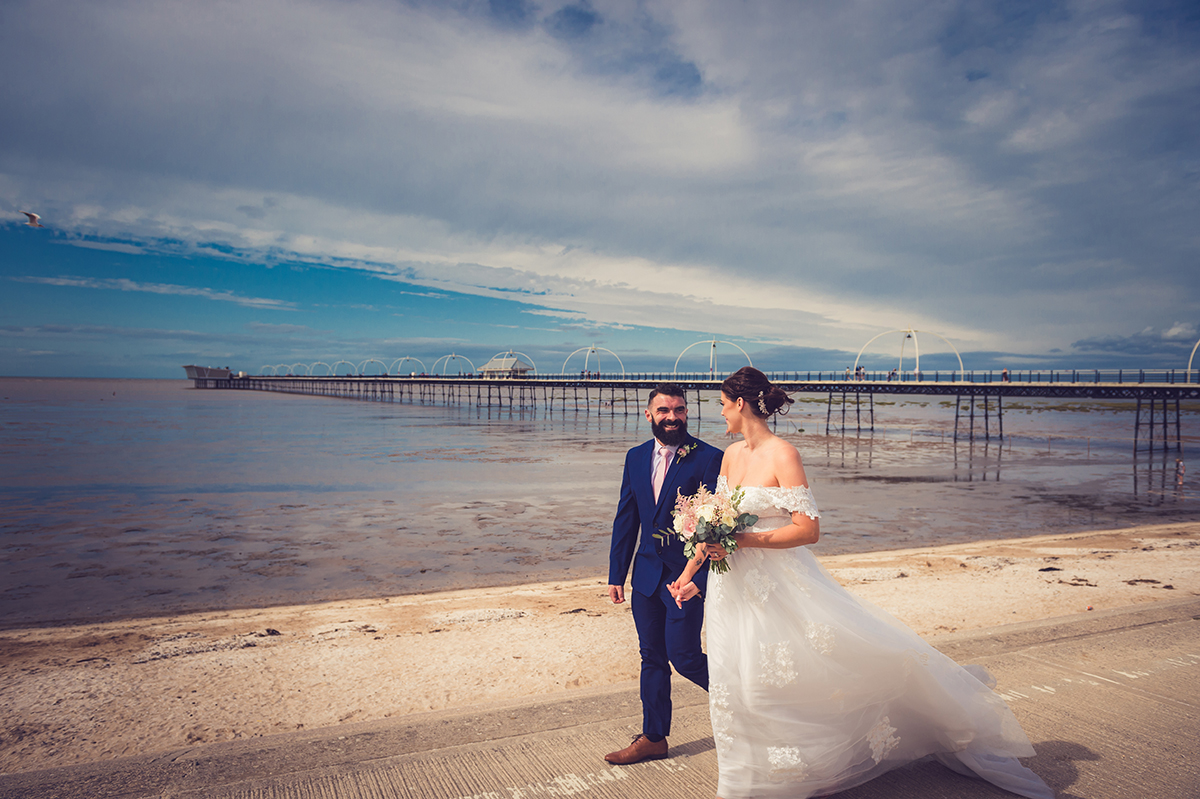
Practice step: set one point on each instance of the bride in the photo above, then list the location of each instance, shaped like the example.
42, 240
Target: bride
813, 690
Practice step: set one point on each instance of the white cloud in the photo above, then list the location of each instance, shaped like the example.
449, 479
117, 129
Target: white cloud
109, 246
1181, 330
124, 284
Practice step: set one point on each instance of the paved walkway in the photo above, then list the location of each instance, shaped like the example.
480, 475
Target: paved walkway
1110, 700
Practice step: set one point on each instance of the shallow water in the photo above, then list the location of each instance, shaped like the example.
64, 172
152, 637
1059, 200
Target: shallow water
132, 497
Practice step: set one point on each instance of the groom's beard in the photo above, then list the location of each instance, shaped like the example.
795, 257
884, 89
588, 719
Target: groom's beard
672, 436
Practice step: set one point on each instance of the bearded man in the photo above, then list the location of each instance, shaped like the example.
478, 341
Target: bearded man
668, 635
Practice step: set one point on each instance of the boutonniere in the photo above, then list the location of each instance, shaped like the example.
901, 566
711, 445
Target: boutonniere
683, 451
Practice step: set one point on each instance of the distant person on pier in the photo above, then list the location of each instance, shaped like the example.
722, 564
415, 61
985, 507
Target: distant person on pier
1004, 375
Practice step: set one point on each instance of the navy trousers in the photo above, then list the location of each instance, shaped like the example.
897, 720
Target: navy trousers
668, 636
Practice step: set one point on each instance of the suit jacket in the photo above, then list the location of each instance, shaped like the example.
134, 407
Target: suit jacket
657, 562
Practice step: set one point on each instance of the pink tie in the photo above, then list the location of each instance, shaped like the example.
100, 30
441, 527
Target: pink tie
660, 474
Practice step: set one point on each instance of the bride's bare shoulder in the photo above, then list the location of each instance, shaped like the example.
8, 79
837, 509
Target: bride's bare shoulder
784, 449
789, 469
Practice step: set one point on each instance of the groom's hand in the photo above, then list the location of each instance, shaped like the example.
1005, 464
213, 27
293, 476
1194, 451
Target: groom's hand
616, 593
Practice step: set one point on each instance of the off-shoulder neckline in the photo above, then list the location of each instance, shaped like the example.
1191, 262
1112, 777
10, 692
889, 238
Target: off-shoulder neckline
764, 488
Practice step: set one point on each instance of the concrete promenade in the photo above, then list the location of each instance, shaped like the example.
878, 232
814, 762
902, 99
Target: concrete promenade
1111, 701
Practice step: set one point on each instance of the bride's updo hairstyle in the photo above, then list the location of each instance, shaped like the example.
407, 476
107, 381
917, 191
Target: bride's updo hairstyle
753, 386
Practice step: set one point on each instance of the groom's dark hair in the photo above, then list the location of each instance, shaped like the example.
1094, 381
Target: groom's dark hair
669, 389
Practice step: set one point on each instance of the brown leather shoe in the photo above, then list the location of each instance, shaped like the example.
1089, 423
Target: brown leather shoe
641, 749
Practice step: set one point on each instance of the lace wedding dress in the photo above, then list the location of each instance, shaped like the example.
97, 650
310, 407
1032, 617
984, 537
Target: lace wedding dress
813, 690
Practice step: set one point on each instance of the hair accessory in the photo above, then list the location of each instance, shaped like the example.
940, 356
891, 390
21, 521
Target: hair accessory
762, 406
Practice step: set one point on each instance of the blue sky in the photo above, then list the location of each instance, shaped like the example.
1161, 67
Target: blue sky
237, 183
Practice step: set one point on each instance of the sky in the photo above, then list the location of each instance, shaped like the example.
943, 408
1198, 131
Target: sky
291, 181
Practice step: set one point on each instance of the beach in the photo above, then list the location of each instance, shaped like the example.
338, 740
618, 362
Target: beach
137, 686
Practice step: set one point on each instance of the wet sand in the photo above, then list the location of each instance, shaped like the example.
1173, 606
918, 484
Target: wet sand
89, 692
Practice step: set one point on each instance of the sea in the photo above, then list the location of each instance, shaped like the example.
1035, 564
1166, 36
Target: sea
127, 498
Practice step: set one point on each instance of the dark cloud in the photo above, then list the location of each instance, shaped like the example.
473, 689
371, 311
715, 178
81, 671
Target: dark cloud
252, 211
512, 13
1165, 345
572, 22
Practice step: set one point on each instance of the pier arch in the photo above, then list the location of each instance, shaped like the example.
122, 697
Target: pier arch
591, 350
910, 333
712, 354
312, 368
405, 359
339, 363
451, 357
362, 367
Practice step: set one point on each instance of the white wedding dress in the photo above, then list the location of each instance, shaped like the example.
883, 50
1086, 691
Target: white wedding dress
813, 690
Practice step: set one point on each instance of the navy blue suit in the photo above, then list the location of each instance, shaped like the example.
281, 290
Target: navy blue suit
667, 635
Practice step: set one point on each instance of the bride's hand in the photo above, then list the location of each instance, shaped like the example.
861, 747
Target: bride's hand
716, 552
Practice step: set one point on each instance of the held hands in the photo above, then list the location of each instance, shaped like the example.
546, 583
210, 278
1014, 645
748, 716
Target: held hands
682, 593
683, 588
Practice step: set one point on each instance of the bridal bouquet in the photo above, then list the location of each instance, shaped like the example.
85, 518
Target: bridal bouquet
707, 518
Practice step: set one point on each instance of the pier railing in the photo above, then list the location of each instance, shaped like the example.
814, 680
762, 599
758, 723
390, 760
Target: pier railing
1118, 376
1071, 376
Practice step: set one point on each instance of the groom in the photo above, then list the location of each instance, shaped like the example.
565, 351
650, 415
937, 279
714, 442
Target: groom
668, 635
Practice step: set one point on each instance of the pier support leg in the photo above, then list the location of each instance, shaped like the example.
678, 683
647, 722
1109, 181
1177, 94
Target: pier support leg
1137, 425
1150, 426
1163, 426
1178, 437
957, 410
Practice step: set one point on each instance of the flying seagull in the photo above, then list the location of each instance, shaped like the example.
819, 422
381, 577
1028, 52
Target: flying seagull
34, 219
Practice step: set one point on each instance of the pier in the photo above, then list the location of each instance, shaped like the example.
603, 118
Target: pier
979, 409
